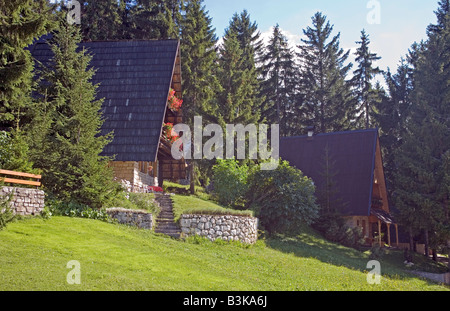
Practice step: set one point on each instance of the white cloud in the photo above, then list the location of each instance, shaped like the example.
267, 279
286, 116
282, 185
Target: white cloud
293, 39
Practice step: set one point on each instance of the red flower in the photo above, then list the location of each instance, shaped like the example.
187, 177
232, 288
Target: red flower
156, 189
174, 103
169, 132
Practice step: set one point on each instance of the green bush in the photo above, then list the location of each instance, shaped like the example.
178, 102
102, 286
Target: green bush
283, 198
136, 201
14, 153
6, 213
333, 228
230, 182
74, 209
376, 252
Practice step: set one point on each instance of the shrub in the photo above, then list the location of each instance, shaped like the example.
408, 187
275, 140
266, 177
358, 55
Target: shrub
230, 182
6, 213
333, 228
283, 198
75, 209
376, 252
14, 154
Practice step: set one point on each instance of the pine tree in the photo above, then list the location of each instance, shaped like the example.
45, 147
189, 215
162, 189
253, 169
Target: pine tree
391, 114
172, 18
363, 77
21, 21
200, 84
236, 101
328, 101
248, 37
422, 173
124, 32
199, 60
156, 19
101, 20
278, 86
70, 150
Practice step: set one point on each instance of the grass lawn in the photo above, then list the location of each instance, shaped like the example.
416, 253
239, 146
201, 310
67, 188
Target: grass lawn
34, 254
194, 205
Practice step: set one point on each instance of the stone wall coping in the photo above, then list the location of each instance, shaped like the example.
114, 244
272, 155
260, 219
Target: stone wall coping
124, 210
226, 216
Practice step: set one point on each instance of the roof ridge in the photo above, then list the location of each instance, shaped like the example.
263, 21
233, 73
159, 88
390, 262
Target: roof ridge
133, 40
335, 133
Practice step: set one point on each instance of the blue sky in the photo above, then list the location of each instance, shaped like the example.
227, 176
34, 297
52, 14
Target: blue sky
402, 22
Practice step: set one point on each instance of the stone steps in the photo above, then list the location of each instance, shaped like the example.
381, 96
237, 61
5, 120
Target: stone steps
165, 223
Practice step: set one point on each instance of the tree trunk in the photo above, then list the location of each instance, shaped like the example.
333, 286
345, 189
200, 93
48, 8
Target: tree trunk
411, 240
434, 254
427, 250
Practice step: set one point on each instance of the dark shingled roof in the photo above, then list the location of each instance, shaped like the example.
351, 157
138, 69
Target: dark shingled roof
134, 79
353, 157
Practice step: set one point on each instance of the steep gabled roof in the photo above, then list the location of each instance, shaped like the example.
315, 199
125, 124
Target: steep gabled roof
134, 79
352, 155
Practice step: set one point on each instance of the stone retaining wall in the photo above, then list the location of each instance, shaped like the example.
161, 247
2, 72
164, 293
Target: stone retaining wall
228, 228
25, 201
140, 219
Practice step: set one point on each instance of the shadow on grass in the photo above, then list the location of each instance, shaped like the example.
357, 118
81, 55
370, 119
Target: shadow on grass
312, 245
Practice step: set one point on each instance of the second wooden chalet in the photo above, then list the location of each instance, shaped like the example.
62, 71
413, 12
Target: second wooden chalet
348, 167
136, 81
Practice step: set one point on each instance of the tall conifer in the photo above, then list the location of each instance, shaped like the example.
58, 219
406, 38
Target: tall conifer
200, 83
278, 86
70, 150
101, 20
236, 102
362, 80
328, 101
423, 190
21, 22
246, 33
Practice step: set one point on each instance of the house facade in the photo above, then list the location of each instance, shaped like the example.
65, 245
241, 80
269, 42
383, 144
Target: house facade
136, 80
347, 169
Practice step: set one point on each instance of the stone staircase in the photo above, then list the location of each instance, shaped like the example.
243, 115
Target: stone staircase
165, 223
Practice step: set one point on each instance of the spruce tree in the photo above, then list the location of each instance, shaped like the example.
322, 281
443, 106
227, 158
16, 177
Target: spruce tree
328, 103
171, 19
236, 101
21, 22
422, 181
390, 116
73, 169
101, 20
278, 86
124, 32
200, 84
198, 42
248, 37
363, 76
156, 19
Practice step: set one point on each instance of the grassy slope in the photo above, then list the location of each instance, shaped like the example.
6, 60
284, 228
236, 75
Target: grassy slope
194, 205
34, 254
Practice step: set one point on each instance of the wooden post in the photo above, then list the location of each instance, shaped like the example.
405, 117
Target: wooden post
389, 234
379, 232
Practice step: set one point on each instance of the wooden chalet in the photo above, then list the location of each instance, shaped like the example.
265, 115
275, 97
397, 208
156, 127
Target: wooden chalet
135, 78
355, 169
